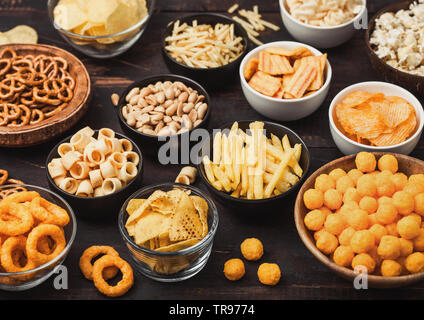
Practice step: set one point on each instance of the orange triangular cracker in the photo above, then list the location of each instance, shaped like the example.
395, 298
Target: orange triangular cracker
280, 65
251, 68
301, 80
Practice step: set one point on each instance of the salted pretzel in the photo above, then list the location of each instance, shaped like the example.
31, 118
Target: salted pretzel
11, 185
32, 88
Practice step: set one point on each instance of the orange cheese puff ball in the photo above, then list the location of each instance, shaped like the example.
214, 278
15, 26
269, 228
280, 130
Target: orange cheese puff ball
325, 210
388, 162
419, 204
416, 217
389, 247
364, 260
369, 204
317, 234
418, 178
384, 200
344, 183
385, 185
355, 174
390, 268
392, 229
365, 162
386, 213
374, 255
252, 249
372, 220
406, 247
419, 241
343, 256
415, 262
408, 227
351, 194
366, 186
327, 242
333, 199
335, 224
378, 232
269, 274
358, 219
404, 202
314, 220
414, 188
400, 180
346, 236
234, 269
402, 262
336, 174
362, 241
324, 182
313, 199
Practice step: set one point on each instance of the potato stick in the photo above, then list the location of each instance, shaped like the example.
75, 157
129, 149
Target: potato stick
269, 25
276, 153
217, 185
250, 191
256, 9
237, 162
244, 175
277, 175
276, 142
277, 192
236, 192
298, 151
254, 40
217, 146
227, 158
258, 181
247, 26
221, 176
286, 143
233, 8
208, 169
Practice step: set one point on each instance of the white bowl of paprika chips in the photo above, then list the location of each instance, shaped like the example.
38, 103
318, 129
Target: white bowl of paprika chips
284, 80
376, 116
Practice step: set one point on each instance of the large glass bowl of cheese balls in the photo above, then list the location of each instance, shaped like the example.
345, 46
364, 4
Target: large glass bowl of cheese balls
95, 171
100, 28
169, 230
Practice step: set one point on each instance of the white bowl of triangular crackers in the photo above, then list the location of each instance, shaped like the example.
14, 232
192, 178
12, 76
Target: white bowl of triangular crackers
169, 230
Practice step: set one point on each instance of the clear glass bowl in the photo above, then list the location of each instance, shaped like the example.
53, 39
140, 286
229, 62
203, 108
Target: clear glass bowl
103, 46
170, 266
29, 279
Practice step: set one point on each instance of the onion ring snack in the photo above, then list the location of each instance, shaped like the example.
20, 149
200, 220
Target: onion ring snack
122, 286
89, 254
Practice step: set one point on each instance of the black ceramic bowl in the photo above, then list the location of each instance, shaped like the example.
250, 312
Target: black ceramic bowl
247, 205
104, 207
151, 144
212, 77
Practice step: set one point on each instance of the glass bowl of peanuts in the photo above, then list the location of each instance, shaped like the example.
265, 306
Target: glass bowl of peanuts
212, 60
163, 111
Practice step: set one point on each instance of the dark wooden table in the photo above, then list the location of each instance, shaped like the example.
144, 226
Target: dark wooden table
303, 276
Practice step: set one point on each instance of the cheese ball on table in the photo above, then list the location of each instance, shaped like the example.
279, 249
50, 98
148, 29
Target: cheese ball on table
252, 249
234, 269
269, 274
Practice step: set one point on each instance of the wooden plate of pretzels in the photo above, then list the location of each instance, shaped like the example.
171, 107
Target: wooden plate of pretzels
44, 91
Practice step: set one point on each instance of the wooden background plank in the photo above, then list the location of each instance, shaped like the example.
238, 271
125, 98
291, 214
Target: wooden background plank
303, 276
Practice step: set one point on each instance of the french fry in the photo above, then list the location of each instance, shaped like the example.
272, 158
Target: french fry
244, 175
236, 192
208, 169
227, 158
222, 178
217, 147
277, 175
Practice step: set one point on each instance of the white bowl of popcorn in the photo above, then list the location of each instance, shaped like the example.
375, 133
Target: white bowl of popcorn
284, 109
320, 23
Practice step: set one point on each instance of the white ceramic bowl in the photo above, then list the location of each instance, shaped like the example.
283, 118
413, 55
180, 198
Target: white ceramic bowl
348, 146
284, 109
320, 37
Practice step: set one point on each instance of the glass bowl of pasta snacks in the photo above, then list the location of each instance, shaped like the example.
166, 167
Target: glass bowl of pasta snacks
253, 166
35, 245
221, 45
323, 24
285, 80
169, 230
100, 28
95, 170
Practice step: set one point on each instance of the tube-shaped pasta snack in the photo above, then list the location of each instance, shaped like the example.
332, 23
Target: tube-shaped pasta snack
64, 148
108, 170
182, 179
128, 172
96, 178
70, 158
132, 157
106, 133
69, 185
84, 189
98, 192
56, 168
126, 145
93, 155
86, 131
190, 172
79, 170
117, 159
79, 141
111, 185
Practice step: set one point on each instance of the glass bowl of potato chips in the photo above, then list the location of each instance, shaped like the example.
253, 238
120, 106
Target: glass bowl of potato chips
169, 230
100, 28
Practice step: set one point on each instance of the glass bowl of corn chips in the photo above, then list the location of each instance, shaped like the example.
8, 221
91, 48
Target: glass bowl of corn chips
376, 116
169, 230
100, 28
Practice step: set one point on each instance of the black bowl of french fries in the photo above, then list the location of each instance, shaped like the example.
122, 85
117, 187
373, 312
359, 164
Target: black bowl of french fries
214, 61
252, 166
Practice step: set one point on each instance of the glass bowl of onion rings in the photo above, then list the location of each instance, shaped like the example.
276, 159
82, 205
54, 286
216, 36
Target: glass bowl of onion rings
175, 262
37, 230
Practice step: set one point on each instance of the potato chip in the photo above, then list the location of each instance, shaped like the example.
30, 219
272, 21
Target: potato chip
134, 204
151, 226
399, 135
265, 84
68, 15
21, 34
202, 208
178, 246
